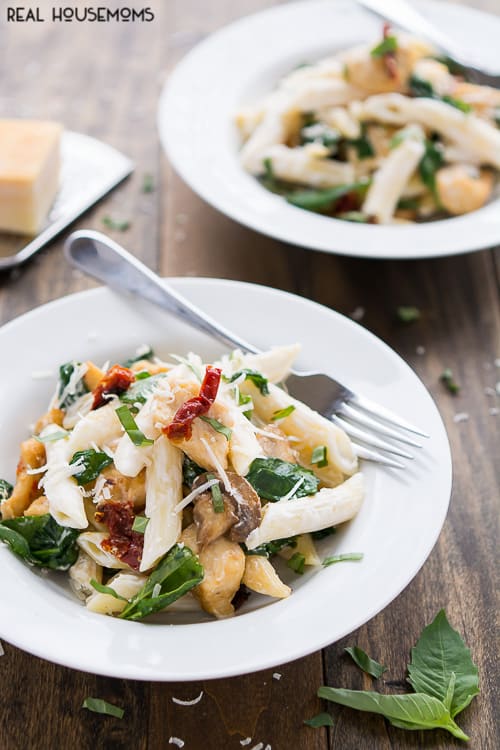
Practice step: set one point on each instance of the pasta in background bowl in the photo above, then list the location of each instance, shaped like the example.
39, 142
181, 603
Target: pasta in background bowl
300, 156
398, 521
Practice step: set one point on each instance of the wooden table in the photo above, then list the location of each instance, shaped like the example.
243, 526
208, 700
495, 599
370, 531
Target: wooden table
104, 80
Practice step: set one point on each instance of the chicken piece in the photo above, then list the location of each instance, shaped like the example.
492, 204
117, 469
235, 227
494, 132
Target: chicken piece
242, 511
26, 487
144, 365
278, 446
124, 489
462, 189
93, 376
53, 416
38, 507
260, 576
224, 565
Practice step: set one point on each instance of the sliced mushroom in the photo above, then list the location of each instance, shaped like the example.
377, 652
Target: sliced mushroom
275, 444
242, 511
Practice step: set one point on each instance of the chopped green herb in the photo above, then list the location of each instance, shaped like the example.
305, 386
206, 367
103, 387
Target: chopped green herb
129, 424
190, 470
370, 666
41, 541
218, 426
449, 381
106, 590
319, 456
357, 217
271, 548
176, 574
5, 490
431, 161
421, 88
408, 204
78, 389
52, 437
320, 720
142, 375
457, 103
148, 184
407, 314
282, 413
243, 400
324, 199
140, 523
297, 563
146, 353
397, 139
273, 479
92, 463
388, 45
217, 499
141, 389
363, 145
323, 533
98, 706
257, 378
346, 557
117, 225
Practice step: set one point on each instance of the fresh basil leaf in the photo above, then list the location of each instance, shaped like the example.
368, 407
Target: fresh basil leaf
319, 456
93, 462
297, 563
106, 590
257, 379
137, 437
457, 103
326, 198
345, 557
431, 161
41, 541
99, 706
271, 548
440, 653
361, 658
388, 45
141, 389
217, 499
320, 720
176, 574
414, 711
449, 381
146, 353
218, 426
52, 437
282, 413
140, 523
117, 225
273, 478
420, 87
5, 490
407, 314
80, 389
190, 470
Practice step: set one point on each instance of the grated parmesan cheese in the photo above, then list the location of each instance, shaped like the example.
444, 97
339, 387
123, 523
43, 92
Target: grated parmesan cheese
176, 741
258, 746
193, 702
2, 652
461, 416
218, 466
276, 676
79, 371
156, 590
292, 491
246, 741
198, 491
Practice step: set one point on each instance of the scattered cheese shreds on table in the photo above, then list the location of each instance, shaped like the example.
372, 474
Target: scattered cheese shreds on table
192, 702
461, 416
176, 741
276, 676
246, 741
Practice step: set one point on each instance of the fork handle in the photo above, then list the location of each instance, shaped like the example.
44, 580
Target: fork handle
105, 260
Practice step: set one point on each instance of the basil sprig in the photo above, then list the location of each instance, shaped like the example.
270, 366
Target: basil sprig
176, 574
273, 479
41, 541
92, 462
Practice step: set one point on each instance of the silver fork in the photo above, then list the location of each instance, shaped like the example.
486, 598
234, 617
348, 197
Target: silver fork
406, 16
368, 424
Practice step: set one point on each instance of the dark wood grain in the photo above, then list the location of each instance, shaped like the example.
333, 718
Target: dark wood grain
105, 80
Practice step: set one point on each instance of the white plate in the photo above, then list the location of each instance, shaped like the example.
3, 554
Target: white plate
395, 529
242, 62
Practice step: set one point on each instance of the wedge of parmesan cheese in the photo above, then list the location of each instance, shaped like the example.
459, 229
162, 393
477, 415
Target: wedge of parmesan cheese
29, 173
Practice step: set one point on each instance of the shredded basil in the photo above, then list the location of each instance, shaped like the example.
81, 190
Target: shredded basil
140, 523
273, 479
297, 563
449, 381
431, 161
99, 706
218, 426
319, 456
217, 499
363, 145
422, 88
388, 45
408, 204
41, 541
282, 413
5, 490
325, 199
106, 590
141, 389
52, 437
137, 437
271, 548
190, 470
407, 314
257, 379
93, 462
323, 533
118, 225
320, 720
357, 217
345, 557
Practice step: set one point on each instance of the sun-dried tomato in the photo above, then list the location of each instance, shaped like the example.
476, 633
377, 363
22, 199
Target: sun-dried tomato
117, 380
123, 543
181, 425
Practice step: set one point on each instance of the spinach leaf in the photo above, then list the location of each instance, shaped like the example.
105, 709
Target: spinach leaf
141, 389
79, 389
147, 354
415, 711
273, 478
324, 199
5, 490
257, 379
439, 654
419, 87
271, 548
190, 470
430, 162
176, 574
100, 706
320, 720
363, 145
361, 658
92, 462
41, 541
